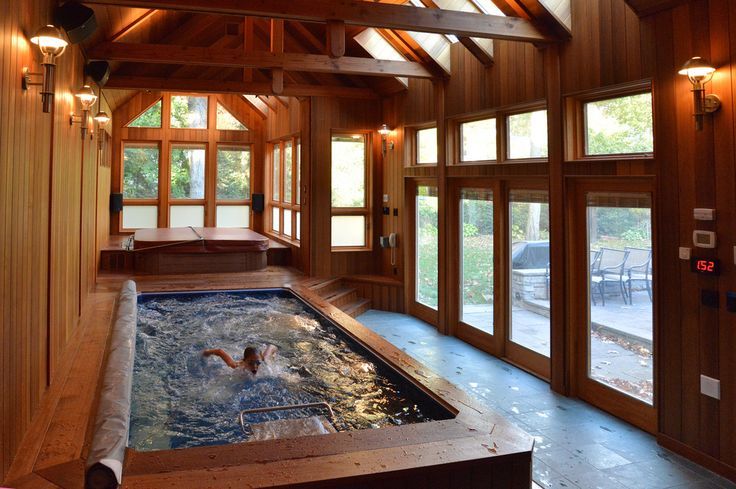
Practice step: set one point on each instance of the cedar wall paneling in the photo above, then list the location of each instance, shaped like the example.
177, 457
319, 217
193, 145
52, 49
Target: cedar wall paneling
47, 230
327, 115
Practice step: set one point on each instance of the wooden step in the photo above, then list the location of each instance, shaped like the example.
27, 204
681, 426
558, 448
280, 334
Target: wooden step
357, 307
326, 286
340, 297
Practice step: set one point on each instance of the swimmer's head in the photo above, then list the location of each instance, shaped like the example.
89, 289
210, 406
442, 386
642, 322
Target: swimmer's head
251, 359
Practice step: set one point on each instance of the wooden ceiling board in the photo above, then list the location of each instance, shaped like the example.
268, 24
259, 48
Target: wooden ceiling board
643, 8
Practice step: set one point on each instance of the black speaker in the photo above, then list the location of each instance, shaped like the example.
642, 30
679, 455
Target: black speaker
78, 21
99, 71
116, 202
258, 202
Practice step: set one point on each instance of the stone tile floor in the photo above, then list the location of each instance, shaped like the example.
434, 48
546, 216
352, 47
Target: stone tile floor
577, 446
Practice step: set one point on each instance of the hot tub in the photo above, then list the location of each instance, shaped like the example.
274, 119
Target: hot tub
394, 422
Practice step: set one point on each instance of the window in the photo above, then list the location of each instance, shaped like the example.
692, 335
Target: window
350, 209
478, 140
228, 122
426, 146
188, 112
140, 185
284, 196
476, 258
621, 125
427, 249
233, 186
187, 171
527, 135
151, 117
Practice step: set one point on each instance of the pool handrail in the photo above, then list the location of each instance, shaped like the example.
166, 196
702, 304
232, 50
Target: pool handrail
244, 412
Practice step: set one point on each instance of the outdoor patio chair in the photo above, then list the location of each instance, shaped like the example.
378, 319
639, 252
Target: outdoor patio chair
609, 270
638, 268
594, 255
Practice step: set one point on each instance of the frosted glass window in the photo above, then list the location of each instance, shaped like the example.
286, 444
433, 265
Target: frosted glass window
188, 112
478, 140
287, 222
233, 216
427, 145
140, 171
528, 135
298, 225
348, 231
619, 125
187, 172
275, 223
140, 216
181, 216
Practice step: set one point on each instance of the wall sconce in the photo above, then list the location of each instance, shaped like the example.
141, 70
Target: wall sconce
384, 131
102, 119
52, 44
87, 98
700, 72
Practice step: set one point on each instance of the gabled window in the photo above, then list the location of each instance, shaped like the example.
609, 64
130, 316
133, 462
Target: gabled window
151, 117
228, 122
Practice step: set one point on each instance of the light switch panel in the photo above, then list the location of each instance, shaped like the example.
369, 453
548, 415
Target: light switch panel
685, 253
710, 387
704, 214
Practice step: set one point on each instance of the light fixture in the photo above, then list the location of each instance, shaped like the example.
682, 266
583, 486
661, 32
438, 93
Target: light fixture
87, 98
700, 72
102, 119
52, 44
384, 131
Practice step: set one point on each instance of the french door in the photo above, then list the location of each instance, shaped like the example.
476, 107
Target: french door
613, 283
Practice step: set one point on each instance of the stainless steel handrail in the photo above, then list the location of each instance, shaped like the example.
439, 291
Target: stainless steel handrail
283, 408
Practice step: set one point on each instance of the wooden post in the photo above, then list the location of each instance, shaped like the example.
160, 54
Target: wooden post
442, 228
335, 38
558, 314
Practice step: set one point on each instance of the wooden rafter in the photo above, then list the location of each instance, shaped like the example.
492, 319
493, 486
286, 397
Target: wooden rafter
132, 26
235, 58
538, 14
357, 12
409, 48
226, 86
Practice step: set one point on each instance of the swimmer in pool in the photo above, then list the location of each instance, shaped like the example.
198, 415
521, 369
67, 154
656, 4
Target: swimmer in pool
252, 358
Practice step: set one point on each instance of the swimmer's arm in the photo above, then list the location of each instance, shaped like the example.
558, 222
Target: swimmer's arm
222, 354
269, 352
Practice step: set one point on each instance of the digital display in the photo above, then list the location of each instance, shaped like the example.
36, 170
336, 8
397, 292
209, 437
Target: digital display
706, 266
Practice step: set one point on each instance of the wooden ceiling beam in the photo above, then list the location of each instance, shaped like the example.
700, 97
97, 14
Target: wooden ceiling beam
235, 58
335, 38
358, 12
225, 86
132, 26
539, 15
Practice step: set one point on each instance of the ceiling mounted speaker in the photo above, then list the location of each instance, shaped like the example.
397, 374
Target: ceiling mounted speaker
99, 71
78, 21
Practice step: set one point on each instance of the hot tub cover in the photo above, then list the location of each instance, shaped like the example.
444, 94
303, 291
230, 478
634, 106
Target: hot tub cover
113, 413
199, 240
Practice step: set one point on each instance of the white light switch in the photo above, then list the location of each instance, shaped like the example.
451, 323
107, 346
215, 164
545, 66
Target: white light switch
385, 198
704, 214
710, 387
685, 253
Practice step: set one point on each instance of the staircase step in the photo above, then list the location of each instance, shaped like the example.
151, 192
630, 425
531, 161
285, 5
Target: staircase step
326, 286
357, 307
340, 297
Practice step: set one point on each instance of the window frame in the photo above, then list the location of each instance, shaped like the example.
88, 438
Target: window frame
294, 206
248, 201
576, 127
412, 152
208, 123
457, 139
160, 187
506, 114
367, 209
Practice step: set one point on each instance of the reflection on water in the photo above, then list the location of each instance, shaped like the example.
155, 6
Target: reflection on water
181, 399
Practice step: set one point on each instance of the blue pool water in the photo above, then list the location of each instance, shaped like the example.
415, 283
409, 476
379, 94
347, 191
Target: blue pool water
182, 399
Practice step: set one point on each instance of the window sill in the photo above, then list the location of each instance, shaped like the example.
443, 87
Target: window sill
351, 249
614, 158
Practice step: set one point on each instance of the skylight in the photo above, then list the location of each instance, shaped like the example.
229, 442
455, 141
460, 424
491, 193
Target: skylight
256, 102
379, 48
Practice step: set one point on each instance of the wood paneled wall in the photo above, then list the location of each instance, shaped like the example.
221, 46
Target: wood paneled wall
47, 203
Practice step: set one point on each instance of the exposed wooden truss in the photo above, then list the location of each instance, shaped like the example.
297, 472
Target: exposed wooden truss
357, 12
237, 58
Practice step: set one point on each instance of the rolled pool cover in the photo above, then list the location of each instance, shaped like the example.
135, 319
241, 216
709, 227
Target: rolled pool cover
105, 459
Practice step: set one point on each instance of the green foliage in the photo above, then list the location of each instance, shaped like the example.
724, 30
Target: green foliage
187, 173
427, 248
528, 135
620, 125
150, 118
348, 172
227, 122
521, 213
469, 230
140, 172
188, 112
233, 174
288, 170
618, 227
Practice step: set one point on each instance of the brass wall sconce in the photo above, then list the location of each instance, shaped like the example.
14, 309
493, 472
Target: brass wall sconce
52, 44
87, 98
384, 131
700, 72
102, 120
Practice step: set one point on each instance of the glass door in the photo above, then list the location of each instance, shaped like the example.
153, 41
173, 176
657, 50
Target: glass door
528, 338
617, 361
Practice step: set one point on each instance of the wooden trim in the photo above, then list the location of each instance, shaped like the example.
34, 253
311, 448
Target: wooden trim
355, 12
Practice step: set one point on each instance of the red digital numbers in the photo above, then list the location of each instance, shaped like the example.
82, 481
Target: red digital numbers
705, 265
702, 265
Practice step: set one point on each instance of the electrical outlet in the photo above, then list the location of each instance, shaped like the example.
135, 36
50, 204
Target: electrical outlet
710, 387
